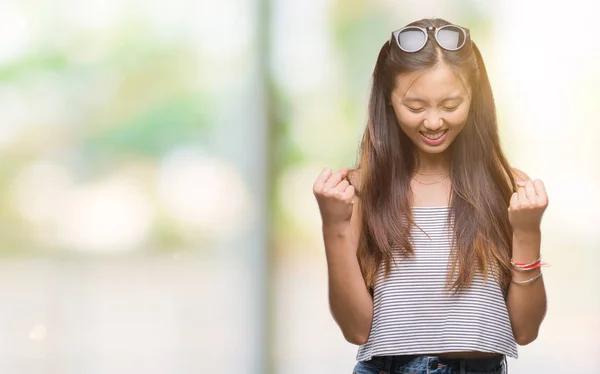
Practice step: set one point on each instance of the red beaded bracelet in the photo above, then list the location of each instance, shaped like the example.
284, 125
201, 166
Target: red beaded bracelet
525, 267
519, 264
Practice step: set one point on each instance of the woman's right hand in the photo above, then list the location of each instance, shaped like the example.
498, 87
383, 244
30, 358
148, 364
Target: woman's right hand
335, 196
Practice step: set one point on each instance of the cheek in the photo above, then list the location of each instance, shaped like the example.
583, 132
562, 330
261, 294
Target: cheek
458, 118
408, 120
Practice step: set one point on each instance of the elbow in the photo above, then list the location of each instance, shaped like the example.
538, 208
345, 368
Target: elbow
356, 338
524, 339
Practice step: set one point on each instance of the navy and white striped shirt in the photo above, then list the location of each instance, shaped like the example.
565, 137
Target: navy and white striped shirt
414, 314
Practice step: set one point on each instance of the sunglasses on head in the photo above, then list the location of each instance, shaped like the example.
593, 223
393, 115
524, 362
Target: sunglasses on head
413, 38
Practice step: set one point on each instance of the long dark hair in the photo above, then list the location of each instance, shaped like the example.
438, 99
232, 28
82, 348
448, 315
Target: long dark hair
482, 181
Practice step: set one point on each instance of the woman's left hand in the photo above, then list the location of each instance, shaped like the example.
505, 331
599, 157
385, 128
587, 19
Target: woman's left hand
527, 206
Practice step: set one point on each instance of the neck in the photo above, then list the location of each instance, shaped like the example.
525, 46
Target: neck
428, 163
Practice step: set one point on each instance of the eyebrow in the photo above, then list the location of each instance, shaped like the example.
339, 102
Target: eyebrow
418, 100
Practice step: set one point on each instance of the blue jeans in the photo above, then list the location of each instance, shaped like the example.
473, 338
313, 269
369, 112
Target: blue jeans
431, 365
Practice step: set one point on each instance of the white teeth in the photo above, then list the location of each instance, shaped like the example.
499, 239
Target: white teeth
434, 136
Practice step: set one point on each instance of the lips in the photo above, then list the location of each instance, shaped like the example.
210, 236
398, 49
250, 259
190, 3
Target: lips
434, 139
434, 136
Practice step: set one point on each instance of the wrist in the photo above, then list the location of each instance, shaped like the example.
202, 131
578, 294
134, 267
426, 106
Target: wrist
335, 228
335, 225
527, 239
533, 232
526, 245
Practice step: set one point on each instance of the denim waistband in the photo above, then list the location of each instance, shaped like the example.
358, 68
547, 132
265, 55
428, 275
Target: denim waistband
388, 363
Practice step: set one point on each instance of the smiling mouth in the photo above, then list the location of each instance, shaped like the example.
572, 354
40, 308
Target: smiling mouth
434, 136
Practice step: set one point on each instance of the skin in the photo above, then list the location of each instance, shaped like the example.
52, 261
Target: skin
426, 102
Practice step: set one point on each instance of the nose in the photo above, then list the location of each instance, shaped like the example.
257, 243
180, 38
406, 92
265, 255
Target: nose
433, 123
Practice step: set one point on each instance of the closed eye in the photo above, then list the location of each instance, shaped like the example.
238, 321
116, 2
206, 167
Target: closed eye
450, 109
416, 110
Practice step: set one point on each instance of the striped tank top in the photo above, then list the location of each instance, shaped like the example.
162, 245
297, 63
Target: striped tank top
414, 314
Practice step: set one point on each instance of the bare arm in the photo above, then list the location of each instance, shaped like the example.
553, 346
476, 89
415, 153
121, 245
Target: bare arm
349, 299
526, 303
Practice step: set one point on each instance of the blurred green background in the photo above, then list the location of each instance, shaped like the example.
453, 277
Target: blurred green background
157, 161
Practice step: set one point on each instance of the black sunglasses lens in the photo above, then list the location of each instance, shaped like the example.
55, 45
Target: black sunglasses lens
411, 40
451, 37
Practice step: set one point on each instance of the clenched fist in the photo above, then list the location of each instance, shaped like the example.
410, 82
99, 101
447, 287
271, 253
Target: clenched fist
335, 196
527, 205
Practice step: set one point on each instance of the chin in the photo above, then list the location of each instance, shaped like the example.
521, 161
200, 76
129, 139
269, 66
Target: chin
433, 150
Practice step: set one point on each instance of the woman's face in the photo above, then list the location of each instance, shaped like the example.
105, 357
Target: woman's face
431, 106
